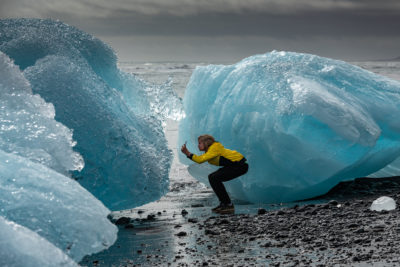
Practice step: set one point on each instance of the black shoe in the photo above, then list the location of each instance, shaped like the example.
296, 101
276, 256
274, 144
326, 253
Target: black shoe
226, 209
217, 208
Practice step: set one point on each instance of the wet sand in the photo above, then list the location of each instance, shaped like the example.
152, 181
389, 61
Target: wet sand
337, 229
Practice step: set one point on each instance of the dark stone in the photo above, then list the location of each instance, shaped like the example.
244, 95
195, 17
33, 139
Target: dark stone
262, 211
151, 217
180, 234
267, 245
211, 232
192, 220
326, 206
280, 212
359, 231
333, 203
223, 221
184, 212
197, 205
122, 221
352, 225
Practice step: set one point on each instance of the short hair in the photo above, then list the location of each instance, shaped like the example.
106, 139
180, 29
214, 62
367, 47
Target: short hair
206, 139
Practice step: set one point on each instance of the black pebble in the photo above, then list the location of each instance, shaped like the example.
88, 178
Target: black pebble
122, 221
262, 211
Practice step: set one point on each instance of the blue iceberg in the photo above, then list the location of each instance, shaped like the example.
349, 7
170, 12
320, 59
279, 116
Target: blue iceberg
36, 153
54, 206
20, 246
125, 151
303, 122
28, 127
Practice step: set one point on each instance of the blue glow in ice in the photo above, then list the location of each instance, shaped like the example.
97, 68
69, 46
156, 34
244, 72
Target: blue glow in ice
35, 152
54, 206
27, 125
20, 246
303, 122
125, 151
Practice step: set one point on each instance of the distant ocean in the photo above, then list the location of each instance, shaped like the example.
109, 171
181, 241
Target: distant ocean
180, 72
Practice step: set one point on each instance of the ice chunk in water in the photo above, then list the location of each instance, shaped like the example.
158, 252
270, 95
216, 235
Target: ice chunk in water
383, 203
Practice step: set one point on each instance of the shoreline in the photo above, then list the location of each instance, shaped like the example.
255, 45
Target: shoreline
337, 230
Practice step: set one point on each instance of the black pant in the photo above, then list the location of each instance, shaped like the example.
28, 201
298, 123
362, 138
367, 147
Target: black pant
225, 174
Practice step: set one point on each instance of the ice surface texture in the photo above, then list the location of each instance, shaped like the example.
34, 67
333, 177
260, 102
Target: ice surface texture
303, 122
54, 206
27, 125
20, 246
125, 152
35, 152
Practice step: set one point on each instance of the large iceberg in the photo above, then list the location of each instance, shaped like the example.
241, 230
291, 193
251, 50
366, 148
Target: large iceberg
36, 153
303, 122
54, 206
125, 151
20, 246
28, 127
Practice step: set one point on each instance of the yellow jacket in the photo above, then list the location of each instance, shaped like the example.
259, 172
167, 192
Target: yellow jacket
218, 155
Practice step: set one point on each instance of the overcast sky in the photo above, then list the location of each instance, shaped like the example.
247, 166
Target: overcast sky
227, 30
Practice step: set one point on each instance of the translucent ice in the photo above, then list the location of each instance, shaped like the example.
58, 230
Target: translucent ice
124, 148
27, 124
20, 246
383, 203
54, 206
303, 122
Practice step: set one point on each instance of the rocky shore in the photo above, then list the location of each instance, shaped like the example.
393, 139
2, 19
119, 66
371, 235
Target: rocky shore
339, 231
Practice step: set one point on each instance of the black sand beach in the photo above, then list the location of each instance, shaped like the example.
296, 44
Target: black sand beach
337, 229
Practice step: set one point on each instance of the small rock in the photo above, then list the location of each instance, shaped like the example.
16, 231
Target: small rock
333, 203
122, 221
280, 212
223, 221
197, 205
180, 234
353, 225
184, 212
151, 217
192, 220
211, 232
262, 211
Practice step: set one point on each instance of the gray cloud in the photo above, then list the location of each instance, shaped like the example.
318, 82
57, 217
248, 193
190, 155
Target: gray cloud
218, 17
339, 22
